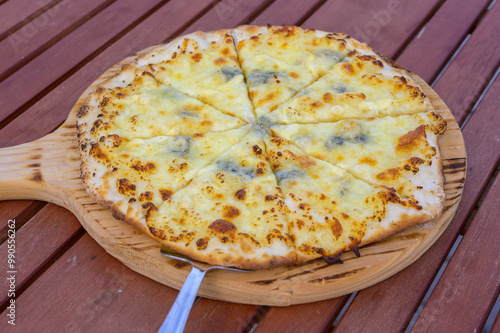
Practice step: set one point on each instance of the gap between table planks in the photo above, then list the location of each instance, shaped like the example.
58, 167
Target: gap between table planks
48, 169
458, 91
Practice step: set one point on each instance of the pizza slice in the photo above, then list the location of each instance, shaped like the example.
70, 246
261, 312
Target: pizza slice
329, 211
362, 86
231, 214
278, 61
397, 152
133, 104
204, 66
129, 175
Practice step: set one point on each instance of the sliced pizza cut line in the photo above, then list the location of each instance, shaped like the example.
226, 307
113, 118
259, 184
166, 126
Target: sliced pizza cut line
131, 176
244, 79
361, 86
133, 104
203, 66
400, 153
329, 210
279, 61
232, 213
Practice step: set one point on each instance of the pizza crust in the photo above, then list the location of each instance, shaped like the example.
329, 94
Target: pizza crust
104, 187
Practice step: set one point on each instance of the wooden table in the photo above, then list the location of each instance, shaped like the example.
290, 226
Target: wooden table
50, 51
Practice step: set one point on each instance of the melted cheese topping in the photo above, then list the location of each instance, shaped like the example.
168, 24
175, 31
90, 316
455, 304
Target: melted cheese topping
147, 109
205, 67
279, 61
273, 147
383, 151
359, 87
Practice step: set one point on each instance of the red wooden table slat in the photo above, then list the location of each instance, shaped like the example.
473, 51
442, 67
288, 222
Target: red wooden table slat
398, 297
367, 20
89, 72
311, 317
14, 12
10, 209
21, 45
428, 52
495, 328
87, 290
473, 67
37, 241
53, 108
286, 12
216, 316
469, 286
226, 14
49, 66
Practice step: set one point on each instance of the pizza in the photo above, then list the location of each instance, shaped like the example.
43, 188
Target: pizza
258, 147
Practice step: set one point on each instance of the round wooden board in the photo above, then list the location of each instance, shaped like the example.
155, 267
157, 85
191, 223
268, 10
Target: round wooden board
55, 177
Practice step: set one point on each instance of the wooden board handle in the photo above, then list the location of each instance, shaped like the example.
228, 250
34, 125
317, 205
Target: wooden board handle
43, 169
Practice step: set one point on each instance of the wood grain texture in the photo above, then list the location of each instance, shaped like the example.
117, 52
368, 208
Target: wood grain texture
435, 43
41, 72
286, 12
469, 73
48, 169
472, 276
38, 240
399, 296
153, 30
86, 290
226, 14
21, 46
312, 317
394, 20
10, 210
12, 13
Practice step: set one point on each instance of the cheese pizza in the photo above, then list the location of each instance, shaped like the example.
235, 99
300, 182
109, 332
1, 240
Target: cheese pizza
259, 147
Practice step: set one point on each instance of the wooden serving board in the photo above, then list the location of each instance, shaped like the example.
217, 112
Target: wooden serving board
49, 169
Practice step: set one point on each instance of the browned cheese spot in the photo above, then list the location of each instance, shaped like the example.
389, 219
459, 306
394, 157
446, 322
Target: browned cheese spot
240, 194
392, 174
412, 140
327, 97
257, 150
126, 187
222, 226
116, 139
413, 163
98, 124
83, 111
165, 194
372, 59
104, 102
316, 104
146, 196
368, 160
270, 197
202, 243
196, 57
149, 166
335, 226
348, 68
96, 151
219, 61
230, 212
